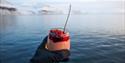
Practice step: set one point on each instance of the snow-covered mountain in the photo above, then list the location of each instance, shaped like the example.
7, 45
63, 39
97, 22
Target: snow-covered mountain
97, 7
48, 9
57, 9
38, 8
7, 9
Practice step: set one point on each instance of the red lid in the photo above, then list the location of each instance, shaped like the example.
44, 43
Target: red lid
57, 35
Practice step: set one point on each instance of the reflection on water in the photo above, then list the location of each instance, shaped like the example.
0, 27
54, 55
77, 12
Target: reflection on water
7, 22
94, 38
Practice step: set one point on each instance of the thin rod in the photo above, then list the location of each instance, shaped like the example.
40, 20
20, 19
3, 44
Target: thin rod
67, 18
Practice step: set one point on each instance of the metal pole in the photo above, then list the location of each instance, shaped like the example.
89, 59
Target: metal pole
67, 18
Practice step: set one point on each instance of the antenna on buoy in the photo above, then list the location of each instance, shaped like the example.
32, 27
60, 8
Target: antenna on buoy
67, 18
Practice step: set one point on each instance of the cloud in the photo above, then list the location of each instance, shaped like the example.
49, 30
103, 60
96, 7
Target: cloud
31, 3
24, 2
75, 0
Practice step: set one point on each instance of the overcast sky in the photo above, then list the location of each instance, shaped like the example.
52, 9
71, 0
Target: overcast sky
44, 1
100, 5
37, 2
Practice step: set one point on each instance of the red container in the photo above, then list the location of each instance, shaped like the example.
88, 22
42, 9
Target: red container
57, 35
58, 39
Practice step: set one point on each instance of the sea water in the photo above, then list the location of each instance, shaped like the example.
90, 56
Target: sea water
95, 38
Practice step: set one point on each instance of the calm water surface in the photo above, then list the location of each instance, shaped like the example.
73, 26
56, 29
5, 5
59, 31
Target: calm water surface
94, 38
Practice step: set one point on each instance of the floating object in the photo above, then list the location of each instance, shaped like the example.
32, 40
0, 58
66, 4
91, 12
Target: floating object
58, 40
55, 47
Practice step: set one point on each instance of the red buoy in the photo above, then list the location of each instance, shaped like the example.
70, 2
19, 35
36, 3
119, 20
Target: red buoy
58, 40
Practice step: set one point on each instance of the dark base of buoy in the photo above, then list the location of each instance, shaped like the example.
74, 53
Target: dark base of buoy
43, 55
